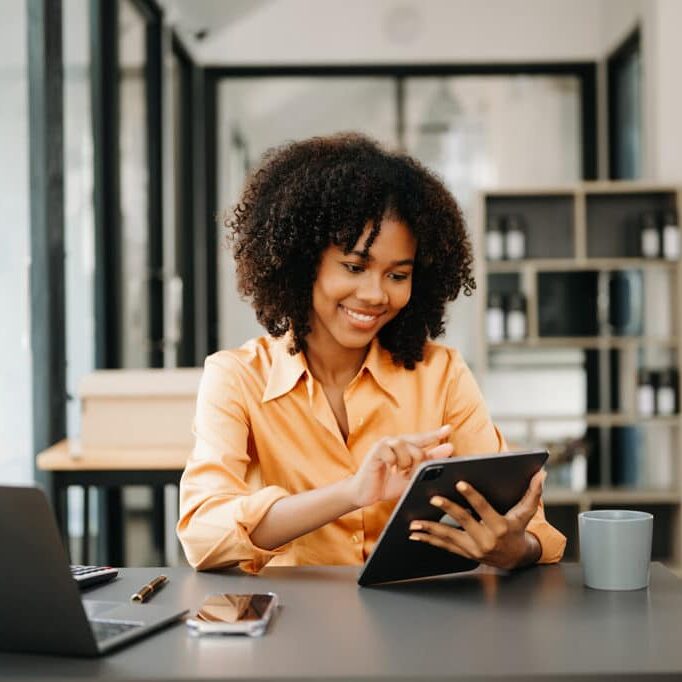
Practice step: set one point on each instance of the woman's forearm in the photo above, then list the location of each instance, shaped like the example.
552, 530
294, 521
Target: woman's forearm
296, 515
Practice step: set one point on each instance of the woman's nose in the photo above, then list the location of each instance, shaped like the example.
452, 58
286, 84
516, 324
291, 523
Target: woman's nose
372, 292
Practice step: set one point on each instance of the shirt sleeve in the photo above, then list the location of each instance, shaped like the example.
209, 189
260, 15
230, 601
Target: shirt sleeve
218, 508
473, 432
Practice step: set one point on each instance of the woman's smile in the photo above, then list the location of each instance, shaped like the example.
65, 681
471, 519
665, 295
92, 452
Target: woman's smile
364, 321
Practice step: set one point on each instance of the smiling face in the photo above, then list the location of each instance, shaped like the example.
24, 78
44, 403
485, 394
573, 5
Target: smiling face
354, 297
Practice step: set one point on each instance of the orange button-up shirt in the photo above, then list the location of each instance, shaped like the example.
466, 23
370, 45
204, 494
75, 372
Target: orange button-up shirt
264, 430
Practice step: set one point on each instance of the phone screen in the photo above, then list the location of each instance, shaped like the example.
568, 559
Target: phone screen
233, 608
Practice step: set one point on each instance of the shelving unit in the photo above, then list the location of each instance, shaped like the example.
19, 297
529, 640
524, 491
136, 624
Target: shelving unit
581, 239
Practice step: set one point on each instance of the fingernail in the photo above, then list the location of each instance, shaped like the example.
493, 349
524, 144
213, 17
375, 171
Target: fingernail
414, 536
415, 525
461, 486
436, 501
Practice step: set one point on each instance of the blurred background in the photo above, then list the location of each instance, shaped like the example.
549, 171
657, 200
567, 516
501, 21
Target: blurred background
127, 129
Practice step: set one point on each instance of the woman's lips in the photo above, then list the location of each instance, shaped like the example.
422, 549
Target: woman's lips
360, 320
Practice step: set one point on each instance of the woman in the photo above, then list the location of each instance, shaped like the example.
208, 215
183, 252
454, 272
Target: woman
305, 438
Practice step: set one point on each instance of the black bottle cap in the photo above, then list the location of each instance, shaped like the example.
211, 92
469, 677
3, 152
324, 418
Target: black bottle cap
644, 376
665, 378
515, 222
516, 301
494, 224
669, 218
649, 221
495, 299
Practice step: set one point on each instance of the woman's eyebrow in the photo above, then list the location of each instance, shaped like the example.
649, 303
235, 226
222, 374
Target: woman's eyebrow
368, 257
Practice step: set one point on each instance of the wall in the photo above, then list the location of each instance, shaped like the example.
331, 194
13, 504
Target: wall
329, 31
664, 93
15, 352
660, 22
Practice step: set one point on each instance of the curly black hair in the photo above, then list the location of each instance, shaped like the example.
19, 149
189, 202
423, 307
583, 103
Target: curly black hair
306, 196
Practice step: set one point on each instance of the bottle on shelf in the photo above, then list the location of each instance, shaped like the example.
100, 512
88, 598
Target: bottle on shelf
494, 318
515, 238
665, 392
494, 239
646, 397
515, 319
670, 236
649, 236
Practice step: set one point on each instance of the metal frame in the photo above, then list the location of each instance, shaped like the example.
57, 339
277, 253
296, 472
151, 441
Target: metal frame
107, 183
184, 205
110, 550
586, 72
47, 298
200, 174
212, 209
631, 45
154, 110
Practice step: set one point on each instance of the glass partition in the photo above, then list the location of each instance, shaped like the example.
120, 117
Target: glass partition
79, 227
134, 186
16, 464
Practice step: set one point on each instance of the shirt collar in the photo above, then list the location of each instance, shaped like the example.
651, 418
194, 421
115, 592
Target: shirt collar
287, 370
387, 375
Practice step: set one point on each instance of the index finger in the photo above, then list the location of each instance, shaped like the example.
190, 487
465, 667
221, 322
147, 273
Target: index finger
427, 438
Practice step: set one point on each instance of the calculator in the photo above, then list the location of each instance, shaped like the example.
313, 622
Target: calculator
92, 575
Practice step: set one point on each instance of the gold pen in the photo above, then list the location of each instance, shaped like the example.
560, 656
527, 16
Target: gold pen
147, 590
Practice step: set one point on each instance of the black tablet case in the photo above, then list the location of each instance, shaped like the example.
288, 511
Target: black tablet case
501, 478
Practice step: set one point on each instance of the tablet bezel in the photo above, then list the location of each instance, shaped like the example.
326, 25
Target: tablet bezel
502, 478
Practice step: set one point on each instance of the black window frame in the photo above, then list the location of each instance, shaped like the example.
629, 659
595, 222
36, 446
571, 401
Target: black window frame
632, 45
47, 274
586, 72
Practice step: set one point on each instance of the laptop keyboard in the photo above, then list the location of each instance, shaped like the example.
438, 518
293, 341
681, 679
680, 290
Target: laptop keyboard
91, 575
106, 629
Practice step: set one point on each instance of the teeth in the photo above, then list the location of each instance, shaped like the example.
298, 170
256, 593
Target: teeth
361, 318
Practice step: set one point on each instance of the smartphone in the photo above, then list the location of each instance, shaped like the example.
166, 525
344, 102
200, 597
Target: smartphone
234, 614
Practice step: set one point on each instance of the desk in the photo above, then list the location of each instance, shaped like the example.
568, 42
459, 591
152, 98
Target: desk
109, 470
537, 624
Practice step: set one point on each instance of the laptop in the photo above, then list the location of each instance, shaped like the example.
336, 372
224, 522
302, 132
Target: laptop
41, 610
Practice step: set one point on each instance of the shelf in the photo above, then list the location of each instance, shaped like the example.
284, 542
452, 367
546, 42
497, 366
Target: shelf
627, 187
590, 187
582, 273
612, 419
577, 265
587, 342
562, 496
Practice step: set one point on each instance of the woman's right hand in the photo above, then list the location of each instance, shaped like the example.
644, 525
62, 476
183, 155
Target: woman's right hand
388, 466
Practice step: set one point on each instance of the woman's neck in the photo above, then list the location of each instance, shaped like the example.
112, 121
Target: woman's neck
331, 367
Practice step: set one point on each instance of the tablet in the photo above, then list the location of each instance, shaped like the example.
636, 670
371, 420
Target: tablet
502, 479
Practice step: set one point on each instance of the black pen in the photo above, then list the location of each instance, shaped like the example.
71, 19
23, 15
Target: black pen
147, 590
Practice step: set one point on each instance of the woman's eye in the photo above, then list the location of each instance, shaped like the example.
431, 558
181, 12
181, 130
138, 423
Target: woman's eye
398, 276
353, 267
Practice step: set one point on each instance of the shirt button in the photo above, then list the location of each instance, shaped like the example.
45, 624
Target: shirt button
361, 421
355, 539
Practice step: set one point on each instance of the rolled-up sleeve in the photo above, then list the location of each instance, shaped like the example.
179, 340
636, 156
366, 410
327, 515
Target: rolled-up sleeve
222, 499
473, 432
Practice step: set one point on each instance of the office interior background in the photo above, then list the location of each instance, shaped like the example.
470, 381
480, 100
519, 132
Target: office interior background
128, 128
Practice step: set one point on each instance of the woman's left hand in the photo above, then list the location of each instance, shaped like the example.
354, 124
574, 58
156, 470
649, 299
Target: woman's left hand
496, 540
